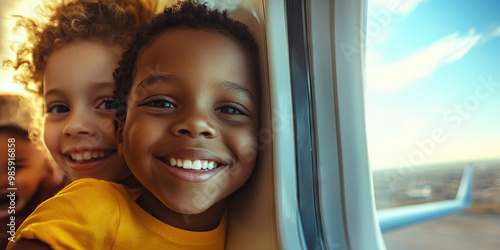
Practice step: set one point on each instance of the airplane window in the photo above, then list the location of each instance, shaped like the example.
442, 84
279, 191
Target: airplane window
432, 101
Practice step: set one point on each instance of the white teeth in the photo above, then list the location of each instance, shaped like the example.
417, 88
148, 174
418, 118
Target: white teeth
192, 164
197, 164
187, 164
87, 155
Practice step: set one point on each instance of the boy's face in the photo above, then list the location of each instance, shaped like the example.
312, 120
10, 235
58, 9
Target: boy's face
31, 168
78, 127
193, 103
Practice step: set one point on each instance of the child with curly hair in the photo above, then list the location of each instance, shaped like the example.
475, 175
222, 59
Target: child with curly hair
188, 92
69, 59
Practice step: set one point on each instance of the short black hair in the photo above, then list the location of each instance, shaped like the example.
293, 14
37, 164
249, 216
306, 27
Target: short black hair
188, 14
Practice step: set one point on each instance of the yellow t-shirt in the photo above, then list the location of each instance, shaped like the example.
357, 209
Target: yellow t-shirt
96, 214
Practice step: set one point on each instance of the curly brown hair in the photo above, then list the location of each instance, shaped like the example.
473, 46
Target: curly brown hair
114, 22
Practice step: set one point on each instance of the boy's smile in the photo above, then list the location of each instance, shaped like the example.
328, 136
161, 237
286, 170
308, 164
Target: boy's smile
190, 135
193, 164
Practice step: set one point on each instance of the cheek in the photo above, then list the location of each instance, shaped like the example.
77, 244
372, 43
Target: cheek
137, 141
245, 146
144, 130
107, 127
51, 135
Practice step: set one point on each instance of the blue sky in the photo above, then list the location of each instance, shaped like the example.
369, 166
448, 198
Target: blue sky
432, 89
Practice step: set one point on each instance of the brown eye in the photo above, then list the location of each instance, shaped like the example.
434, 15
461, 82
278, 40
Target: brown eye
229, 110
108, 103
58, 109
159, 103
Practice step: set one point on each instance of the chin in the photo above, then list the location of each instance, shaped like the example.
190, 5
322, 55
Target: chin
190, 208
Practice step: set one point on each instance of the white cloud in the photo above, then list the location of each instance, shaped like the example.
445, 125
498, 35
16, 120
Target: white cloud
397, 6
496, 32
408, 6
420, 65
491, 35
382, 15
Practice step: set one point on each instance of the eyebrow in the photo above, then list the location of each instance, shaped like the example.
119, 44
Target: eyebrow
93, 88
164, 78
160, 78
52, 92
100, 85
238, 88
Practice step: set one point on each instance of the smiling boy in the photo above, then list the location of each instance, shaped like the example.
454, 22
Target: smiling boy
188, 93
186, 124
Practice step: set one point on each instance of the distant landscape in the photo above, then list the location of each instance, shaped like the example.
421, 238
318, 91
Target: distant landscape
397, 187
476, 228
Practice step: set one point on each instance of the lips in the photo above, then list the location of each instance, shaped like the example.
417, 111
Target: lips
85, 156
192, 158
87, 159
193, 165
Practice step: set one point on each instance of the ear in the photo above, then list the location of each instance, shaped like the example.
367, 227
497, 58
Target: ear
119, 136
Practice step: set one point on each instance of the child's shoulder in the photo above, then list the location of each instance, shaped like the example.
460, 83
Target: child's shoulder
78, 197
81, 215
90, 184
90, 191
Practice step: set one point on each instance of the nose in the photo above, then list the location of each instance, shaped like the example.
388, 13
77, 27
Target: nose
79, 123
195, 124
